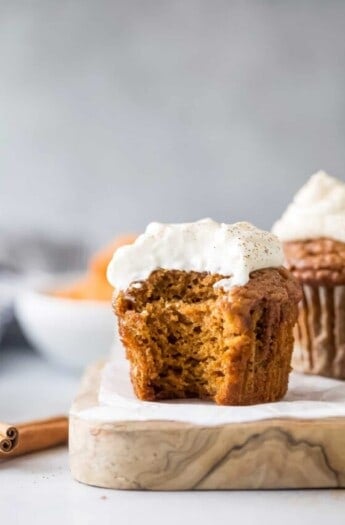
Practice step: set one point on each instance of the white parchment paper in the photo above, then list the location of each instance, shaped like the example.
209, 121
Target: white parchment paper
308, 397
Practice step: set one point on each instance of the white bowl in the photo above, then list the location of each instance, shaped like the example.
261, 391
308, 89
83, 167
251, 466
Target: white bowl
68, 331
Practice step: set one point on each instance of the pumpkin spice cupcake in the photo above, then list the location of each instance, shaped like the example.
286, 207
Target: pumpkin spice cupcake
206, 310
313, 233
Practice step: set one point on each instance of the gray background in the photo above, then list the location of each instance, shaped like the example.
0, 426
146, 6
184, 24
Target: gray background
116, 113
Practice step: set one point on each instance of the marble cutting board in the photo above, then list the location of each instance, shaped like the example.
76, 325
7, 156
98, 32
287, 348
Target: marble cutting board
174, 455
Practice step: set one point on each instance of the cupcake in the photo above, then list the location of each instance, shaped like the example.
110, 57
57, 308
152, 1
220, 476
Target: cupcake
313, 233
206, 310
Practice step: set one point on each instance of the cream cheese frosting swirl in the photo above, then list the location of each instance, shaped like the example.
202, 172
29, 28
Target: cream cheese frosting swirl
231, 250
317, 210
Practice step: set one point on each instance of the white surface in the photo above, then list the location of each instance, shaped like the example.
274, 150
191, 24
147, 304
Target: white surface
307, 397
231, 250
38, 489
30, 387
317, 210
73, 333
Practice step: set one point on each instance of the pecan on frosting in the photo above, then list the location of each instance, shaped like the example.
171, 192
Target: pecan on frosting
316, 261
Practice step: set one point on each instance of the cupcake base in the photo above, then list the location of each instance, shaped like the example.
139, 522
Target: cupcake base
320, 332
185, 338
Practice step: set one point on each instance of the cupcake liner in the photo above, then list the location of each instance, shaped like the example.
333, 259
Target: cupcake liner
320, 332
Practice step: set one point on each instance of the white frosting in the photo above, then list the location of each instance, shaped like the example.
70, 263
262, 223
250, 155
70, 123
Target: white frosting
232, 250
317, 210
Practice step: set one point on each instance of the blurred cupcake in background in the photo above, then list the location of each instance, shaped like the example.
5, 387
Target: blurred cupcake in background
313, 233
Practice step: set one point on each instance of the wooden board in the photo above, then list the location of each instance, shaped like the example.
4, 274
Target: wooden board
155, 455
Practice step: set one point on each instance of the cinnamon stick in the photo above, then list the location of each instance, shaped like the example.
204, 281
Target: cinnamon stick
5, 445
8, 437
36, 435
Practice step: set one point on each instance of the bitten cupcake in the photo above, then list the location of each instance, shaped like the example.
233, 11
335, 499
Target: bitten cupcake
206, 310
313, 233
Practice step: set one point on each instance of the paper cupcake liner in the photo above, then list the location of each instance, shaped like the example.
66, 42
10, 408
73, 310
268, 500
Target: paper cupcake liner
320, 332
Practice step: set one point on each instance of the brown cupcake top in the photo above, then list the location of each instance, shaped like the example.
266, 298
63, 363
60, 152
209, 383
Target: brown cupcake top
269, 284
316, 261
